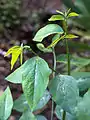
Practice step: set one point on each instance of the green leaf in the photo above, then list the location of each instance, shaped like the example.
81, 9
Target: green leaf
71, 36
21, 103
82, 110
73, 14
54, 42
46, 31
57, 36
27, 115
56, 17
83, 79
35, 80
61, 13
43, 101
75, 60
6, 104
59, 114
16, 76
42, 48
64, 92
40, 117
15, 51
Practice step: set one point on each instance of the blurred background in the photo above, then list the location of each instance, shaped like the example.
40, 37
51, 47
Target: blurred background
20, 20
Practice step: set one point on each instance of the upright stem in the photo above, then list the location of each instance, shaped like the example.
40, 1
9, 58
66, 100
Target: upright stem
68, 57
54, 67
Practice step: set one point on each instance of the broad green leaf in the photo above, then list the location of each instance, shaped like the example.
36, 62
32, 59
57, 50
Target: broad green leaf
56, 17
82, 110
46, 31
27, 115
73, 14
59, 114
64, 92
71, 36
40, 117
21, 104
35, 80
6, 104
83, 79
16, 51
16, 76
42, 48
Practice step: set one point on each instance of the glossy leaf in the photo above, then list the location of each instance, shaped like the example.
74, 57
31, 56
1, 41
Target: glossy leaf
73, 14
71, 36
59, 114
46, 31
64, 92
6, 104
83, 79
35, 80
21, 104
15, 51
56, 17
82, 110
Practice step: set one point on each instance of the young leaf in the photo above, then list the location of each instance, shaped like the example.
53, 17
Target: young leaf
54, 42
82, 110
46, 31
57, 36
15, 51
56, 17
42, 48
73, 14
83, 79
21, 103
71, 36
6, 104
35, 80
64, 92
61, 13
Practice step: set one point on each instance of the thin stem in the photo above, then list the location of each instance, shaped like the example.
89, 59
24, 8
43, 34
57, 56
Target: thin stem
54, 67
68, 56
64, 115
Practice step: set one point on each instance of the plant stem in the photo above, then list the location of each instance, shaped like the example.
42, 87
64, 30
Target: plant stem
54, 67
68, 57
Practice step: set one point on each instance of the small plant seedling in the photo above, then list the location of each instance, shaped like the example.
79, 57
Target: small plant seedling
34, 74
